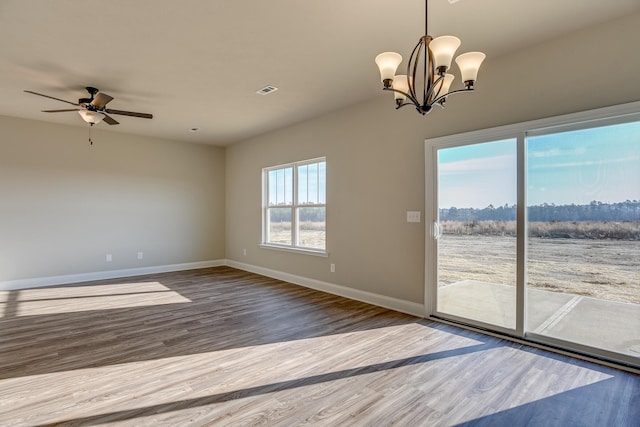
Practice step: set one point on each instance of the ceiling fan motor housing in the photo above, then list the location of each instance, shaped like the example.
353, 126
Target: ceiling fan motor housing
92, 91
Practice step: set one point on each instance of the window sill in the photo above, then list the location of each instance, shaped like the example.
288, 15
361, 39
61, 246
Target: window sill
312, 252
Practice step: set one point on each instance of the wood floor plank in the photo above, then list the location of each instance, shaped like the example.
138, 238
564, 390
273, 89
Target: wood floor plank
220, 346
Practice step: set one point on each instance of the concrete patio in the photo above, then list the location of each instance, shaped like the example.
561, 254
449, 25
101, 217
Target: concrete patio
613, 326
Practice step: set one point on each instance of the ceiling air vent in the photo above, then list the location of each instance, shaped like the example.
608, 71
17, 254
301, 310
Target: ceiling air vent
266, 90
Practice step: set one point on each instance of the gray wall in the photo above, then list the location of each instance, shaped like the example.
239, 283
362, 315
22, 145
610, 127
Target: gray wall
64, 204
375, 157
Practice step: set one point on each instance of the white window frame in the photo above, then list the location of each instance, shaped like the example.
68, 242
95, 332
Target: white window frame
294, 206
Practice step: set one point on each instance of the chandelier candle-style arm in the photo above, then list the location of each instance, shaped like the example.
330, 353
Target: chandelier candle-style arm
433, 57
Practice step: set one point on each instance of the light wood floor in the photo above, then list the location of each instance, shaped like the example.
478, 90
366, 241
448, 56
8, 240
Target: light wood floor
221, 346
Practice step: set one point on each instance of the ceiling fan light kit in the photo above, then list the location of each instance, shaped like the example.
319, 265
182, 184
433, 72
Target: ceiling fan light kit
432, 86
91, 117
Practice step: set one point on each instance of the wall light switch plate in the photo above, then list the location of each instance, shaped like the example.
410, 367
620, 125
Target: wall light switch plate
413, 216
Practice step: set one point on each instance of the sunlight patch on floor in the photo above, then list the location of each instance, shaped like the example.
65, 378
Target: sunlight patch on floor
56, 300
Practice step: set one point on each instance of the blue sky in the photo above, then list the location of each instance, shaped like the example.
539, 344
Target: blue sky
311, 184
600, 164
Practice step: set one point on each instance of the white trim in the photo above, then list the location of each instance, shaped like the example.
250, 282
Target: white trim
431, 217
294, 249
402, 306
38, 282
547, 346
522, 239
622, 112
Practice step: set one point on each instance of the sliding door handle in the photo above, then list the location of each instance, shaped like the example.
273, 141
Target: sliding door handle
437, 230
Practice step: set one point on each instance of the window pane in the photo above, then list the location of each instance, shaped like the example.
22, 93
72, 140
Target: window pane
477, 249
288, 186
312, 228
313, 183
281, 187
583, 204
302, 185
279, 226
272, 177
322, 184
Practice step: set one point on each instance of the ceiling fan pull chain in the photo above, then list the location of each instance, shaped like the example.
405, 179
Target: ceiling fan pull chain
90, 140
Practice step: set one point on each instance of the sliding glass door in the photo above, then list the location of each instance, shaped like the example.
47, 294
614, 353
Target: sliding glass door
476, 233
536, 234
583, 202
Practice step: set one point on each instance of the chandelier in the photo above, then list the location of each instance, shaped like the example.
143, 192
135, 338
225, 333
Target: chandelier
435, 56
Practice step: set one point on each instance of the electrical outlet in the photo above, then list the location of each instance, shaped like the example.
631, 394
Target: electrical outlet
332, 267
109, 258
140, 255
244, 252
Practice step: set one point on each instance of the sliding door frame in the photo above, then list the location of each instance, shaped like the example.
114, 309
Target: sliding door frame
593, 118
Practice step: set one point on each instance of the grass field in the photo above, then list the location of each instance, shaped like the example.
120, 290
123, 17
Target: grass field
605, 269
602, 268
310, 234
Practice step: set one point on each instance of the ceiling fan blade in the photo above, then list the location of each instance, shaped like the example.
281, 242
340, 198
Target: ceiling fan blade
47, 96
130, 113
101, 100
60, 111
110, 120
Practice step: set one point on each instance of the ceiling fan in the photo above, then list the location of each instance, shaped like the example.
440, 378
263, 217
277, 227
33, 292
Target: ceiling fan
93, 110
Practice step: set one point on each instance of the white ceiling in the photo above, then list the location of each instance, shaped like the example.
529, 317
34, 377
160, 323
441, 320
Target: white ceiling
198, 63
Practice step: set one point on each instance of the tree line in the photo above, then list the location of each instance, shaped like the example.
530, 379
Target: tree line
313, 214
628, 210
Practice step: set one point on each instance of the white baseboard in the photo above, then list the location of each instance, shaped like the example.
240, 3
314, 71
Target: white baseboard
402, 306
38, 282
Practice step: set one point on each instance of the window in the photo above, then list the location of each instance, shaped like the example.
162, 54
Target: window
294, 206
